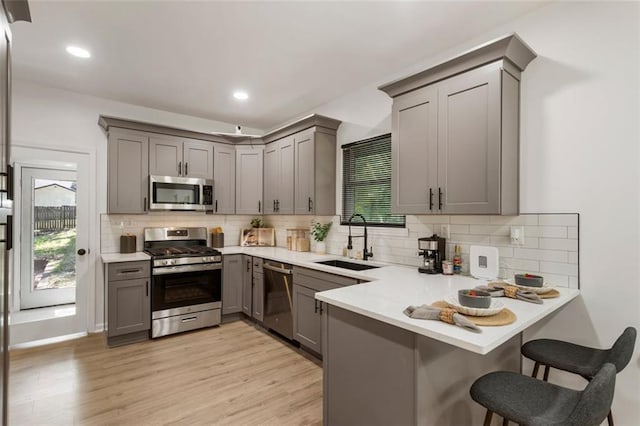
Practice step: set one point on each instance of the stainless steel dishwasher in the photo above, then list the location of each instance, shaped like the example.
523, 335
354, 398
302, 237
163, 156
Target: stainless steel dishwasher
278, 298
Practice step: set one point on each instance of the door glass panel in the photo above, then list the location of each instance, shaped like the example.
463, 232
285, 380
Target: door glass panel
54, 234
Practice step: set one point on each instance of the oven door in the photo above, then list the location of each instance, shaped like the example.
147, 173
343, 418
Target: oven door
182, 292
179, 193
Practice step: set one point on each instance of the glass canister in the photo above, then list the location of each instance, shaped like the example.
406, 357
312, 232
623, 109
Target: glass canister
298, 239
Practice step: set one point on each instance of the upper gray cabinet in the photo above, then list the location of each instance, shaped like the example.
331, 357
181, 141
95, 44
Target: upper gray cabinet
128, 171
278, 176
174, 156
249, 179
224, 178
455, 133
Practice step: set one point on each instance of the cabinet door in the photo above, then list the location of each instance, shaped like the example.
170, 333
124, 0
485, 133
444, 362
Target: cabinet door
224, 179
128, 174
129, 306
286, 175
414, 152
198, 159
165, 156
307, 321
258, 297
469, 141
270, 177
232, 282
249, 180
304, 173
247, 285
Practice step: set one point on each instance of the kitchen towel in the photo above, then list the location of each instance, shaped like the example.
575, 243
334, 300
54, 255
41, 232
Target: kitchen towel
506, 290
447, 315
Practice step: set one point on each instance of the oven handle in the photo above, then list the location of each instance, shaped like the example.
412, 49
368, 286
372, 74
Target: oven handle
276, 269
186, 268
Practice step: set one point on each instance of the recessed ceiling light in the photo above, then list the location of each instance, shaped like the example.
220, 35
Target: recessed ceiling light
78, 52
241, 95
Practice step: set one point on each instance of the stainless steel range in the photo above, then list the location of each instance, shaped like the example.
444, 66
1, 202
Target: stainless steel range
186, 290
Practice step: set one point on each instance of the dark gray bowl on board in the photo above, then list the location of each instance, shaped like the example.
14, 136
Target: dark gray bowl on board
480, 299
529, 280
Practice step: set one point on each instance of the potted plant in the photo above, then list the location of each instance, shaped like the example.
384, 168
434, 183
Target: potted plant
256, 222
319, 232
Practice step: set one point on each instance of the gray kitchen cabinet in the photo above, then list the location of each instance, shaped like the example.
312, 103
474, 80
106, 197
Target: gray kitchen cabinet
249, 180
258, 290
307, 311
247, 285
279, 176
232, 283
174, 156
455, 133
128, 302
315, 171
224, 178
128, 172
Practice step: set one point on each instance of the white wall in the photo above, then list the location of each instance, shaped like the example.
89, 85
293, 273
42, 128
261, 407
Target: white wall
579, 153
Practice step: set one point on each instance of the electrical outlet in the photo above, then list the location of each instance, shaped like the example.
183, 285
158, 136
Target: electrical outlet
517, 235
444, 231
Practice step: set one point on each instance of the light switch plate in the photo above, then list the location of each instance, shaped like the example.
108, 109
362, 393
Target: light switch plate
444, 231
517, 235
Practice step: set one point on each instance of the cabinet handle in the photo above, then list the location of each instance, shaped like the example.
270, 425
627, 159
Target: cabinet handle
278, 206
189, 319
315, 308
179, 168
310, 204
439, 198
186, 169
216, 206
274, 206
9, 182
129, 271
259, 206
144, 204
430, 198
248, 264
147, 286
320, 303
9, 234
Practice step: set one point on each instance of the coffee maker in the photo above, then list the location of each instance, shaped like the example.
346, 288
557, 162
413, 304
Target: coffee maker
432, 250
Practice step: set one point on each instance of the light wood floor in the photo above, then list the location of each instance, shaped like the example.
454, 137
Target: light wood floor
232, 375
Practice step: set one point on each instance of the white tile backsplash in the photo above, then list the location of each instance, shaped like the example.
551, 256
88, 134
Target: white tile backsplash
550, 246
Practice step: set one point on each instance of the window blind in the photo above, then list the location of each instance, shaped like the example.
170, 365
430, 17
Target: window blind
366, 182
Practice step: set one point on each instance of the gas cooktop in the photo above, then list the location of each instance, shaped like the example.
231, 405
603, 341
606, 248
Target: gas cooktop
182, 251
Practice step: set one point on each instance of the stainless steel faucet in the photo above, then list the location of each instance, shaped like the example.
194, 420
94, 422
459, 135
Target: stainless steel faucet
365, 253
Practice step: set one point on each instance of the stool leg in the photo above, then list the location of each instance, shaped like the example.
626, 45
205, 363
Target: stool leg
536, 367
546, 373
487, 418
610, 418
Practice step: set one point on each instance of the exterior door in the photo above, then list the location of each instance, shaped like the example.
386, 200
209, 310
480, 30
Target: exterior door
50, 238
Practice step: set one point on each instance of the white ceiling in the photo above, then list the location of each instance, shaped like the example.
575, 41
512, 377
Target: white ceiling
188, 57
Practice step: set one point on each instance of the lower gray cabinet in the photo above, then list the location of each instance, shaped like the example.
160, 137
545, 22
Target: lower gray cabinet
128, 302
307, 311
247, 285
232, 282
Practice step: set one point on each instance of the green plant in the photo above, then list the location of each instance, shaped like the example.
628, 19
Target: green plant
256, 222
320, 231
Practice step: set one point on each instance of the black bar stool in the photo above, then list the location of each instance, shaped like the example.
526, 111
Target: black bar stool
578, 359
531, 402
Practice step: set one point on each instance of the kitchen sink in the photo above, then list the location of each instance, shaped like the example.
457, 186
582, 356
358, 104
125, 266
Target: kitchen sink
346, 265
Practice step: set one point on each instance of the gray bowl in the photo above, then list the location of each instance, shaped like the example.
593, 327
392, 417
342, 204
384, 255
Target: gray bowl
482, 299
529, 280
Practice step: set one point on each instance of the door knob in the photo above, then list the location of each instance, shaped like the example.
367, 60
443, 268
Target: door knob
82, 252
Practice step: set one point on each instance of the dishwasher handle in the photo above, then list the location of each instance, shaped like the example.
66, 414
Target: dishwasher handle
276, 269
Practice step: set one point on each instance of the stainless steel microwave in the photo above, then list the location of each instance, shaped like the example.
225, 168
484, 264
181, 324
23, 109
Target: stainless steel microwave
180, 193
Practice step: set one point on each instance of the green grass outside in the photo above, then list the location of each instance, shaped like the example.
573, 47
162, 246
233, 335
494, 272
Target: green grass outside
58, 248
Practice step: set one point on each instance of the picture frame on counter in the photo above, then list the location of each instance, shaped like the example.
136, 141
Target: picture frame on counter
258, 237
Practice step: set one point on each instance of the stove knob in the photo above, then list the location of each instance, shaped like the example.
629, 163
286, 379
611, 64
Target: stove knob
163, 262
172, 261
207, 259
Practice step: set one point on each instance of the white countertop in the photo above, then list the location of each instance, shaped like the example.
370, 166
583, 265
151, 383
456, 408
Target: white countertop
124, 257
394, 287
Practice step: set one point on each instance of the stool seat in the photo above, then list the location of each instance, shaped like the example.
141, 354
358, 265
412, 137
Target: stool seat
566, 356
529, 401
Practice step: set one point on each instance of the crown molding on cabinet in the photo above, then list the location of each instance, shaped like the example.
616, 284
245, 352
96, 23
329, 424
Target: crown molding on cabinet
329, 125
510, 47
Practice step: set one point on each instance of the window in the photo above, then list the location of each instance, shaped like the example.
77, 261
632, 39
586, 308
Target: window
366, 182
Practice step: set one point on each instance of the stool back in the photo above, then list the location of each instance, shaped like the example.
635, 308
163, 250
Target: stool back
622, 350
596, 399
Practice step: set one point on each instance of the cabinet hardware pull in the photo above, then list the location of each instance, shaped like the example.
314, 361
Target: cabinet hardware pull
315, 309
310, 204
430, 198
274, 206
147, 286
129, 271
439, 198
9, 235
189, 319
278, 206
144, 206
216, 206
186, 169
248, 264
179, 168
259, 206
320, 303
9, 182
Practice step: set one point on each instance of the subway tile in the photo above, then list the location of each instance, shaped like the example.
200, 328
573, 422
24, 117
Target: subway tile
433, 219
572, 232
471, 220
489, 229
574, 282
559, 268
500, 241
551, 231
505, 251
527, 219
522, 264
458, 229
473, 239
545, 255
573, 257
558, 244
570, 219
